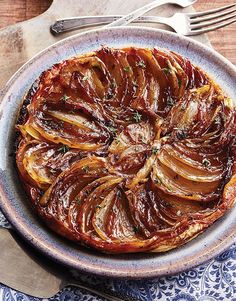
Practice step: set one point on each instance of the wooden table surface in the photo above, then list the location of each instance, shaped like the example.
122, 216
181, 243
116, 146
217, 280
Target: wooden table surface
223, 40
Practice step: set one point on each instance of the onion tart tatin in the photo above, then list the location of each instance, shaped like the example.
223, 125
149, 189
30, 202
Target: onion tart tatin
127, 150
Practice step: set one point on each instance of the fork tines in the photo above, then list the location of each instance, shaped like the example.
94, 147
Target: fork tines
212, 19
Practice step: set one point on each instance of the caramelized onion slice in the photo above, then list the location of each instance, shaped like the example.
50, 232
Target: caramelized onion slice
40, 163
185, 113
121, 73
112, 220
131, 147
197, 173
62, 194
93, 200
174, 184
145, 208
36, 164
104, 229
137, 133
70, 182
87, 67
177, 207
194, 157
149, 83
80, 198
174, 73
143, 174
75, 131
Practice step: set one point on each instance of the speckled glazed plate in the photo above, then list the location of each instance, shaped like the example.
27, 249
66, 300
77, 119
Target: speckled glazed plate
14, 202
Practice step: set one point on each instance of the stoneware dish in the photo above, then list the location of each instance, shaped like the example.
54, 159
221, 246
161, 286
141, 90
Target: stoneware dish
15, 204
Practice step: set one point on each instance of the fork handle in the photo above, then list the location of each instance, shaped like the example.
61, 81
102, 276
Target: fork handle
64, 25
138, 12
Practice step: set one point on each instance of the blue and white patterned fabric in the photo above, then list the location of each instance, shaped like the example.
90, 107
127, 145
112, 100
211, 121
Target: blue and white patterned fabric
213, 281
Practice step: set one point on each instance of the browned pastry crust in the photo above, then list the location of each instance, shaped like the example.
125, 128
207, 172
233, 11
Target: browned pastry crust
127, 150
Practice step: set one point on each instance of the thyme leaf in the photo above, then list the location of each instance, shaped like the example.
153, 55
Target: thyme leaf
137, 117
141, 64
179, 82
206, 162
181, 134
166, 70
155, 150
63, 149
78, 201
135, 229
85, 168
65, 97
127, 69
85, 78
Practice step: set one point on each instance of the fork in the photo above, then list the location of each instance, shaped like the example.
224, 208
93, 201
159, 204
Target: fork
188, 24
67, 24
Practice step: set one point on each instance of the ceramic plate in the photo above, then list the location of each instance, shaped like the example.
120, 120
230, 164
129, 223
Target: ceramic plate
15, 204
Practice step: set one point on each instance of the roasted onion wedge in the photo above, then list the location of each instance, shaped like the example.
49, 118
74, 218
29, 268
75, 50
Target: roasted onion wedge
103, 221
197, 171
73, 130
40, 163
172, 183
129, 150
58, 197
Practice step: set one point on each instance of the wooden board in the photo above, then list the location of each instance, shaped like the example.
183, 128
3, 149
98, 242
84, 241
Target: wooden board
19, 42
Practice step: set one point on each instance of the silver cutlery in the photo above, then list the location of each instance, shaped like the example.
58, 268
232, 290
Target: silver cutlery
26, 270
188, 24
143, 10
68, 24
